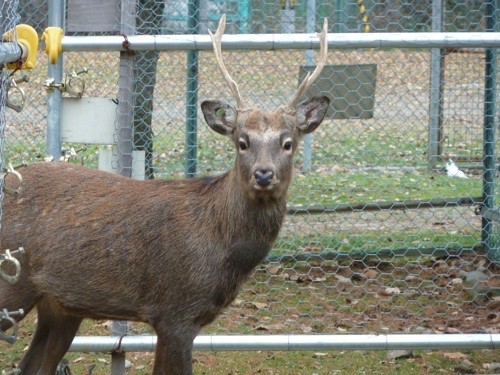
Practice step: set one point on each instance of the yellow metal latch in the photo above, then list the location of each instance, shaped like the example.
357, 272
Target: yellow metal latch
52, 36
27, 37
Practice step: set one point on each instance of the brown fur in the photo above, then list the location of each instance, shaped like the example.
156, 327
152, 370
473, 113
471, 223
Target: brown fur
168, 253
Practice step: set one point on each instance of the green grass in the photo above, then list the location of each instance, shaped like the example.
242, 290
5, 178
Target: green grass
371, 241
294, 363
343, 186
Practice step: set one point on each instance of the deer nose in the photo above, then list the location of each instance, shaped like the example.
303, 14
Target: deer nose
263, 177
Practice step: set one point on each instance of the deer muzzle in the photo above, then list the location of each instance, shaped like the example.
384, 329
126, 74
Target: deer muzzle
264, 177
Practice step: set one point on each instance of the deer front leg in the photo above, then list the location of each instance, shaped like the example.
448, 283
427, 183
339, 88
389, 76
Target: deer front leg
54, 333
173, 351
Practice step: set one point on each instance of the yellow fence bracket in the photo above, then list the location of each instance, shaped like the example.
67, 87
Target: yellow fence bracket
27, 37
52, 36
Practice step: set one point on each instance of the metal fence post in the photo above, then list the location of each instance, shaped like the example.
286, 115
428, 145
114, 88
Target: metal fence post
192, 93
54, 96
124, 141
125, 126
308, 138
489, 162
436, 94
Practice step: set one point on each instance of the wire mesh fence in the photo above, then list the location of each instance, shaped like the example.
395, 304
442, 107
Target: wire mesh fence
8, 51
9, 19
378, 239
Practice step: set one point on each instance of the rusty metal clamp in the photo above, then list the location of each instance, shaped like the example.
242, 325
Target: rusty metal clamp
14, 192
15, 94
8, 258
6, 315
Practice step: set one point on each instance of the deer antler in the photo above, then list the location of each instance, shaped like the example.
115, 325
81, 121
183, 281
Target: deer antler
216, 42
310, 78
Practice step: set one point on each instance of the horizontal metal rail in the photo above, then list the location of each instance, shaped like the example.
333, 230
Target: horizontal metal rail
10, 52
295, 342
381, 206
280, 41
338, 255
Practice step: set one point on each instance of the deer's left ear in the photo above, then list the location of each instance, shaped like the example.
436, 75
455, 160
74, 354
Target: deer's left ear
310, 113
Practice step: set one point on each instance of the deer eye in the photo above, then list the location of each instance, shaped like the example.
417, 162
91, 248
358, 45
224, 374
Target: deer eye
287, 145
242, 145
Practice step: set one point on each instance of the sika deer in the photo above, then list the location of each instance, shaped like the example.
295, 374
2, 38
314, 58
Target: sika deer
168, 253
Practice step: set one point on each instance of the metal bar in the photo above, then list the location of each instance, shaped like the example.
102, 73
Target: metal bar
192, 94
54, 96
243, 15
489, 137
124, 139
295, 342
125, 111
362, 254
282, 41
308, 138
10, 52
436, 99
379, 206
339, 17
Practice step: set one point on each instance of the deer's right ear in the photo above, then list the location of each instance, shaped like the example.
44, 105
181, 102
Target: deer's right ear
221, 117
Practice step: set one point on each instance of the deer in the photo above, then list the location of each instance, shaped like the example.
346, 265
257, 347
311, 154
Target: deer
171, 253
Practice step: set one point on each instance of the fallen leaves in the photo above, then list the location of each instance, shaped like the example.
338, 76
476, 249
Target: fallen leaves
259, 305
455, 355
491, 366
399, 354
306, 329
271, 327
389, 292
370, 273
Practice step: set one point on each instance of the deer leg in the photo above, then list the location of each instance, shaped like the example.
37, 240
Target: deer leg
54, 333
173, 351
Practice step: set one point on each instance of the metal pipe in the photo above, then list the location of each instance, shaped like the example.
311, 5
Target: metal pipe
380, 206
124, 140
489, 160
192, 94
339, 255
54, 96
10, 52
125, 112
295, 342
437, 82
282, 41
308, 138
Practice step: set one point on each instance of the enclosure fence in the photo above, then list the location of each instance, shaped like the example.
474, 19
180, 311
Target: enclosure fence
10, 97
10, 51
302, 342
392, 236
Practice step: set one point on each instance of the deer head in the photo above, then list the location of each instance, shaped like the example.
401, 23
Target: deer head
266, 141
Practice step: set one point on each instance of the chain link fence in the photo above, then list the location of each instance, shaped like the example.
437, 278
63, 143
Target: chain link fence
381, 236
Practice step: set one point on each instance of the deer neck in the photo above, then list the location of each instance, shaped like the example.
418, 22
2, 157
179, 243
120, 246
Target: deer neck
240, 214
